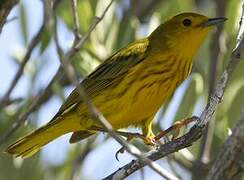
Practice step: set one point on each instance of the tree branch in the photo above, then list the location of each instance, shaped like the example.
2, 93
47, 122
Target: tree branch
229, 163
196, 131
35, 40
33, 43
206, 142
40, 98
5, 7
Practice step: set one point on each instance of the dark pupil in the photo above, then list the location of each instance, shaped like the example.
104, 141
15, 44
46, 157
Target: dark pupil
187, 22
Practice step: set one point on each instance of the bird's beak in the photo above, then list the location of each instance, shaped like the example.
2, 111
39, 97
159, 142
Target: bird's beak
213, 21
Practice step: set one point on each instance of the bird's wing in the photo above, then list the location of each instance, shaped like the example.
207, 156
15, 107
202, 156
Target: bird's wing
110, 72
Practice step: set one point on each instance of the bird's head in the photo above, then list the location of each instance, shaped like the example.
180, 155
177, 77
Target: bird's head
184, 33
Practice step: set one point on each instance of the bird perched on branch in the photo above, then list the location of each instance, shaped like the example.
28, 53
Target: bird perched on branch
129, 87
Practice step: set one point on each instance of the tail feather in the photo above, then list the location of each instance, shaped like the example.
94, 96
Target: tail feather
30, 144
80, 135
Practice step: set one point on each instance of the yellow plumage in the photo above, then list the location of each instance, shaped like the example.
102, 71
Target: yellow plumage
130, 86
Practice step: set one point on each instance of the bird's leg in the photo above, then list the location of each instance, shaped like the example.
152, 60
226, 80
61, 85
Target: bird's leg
122, 149
175, 128
148, 135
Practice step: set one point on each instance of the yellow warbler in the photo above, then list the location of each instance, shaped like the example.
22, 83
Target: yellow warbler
130, 86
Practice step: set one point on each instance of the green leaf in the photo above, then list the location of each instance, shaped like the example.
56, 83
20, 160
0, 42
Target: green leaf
45, 39
85, 14
23, 23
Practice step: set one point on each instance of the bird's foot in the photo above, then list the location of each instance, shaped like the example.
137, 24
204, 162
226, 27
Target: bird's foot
150, 140
175, 128
129, 136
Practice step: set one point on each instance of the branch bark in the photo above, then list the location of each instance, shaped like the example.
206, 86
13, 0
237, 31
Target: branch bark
229, 163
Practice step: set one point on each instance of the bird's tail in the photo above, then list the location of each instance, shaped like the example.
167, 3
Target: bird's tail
31, 143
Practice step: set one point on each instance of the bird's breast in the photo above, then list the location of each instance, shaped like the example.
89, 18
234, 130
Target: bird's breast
142, 92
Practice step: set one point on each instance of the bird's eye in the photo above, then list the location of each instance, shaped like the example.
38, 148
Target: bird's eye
186, 22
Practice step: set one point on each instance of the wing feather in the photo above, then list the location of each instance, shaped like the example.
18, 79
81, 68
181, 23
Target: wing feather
109, 73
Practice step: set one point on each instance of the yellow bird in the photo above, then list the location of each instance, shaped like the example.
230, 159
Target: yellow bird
129, 87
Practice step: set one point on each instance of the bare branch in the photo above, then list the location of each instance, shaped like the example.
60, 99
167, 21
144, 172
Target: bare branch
5, 7
35, 40
7, 102
24, 116
241, 27
40, 98
33, 43
75, 20
77, 45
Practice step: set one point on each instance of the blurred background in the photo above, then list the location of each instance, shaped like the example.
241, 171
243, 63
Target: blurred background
125, 21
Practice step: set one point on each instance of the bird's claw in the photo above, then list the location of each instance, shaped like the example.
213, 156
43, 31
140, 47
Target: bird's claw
147, 140
151, 141
121, 150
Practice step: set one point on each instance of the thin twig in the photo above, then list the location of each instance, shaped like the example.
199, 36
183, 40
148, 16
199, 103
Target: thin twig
36, 102
33, 43
35, 40
241, 27
5, 8
171, 159
75, 20
24, 117
79, 159
11, 19
142, 172
10, 101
